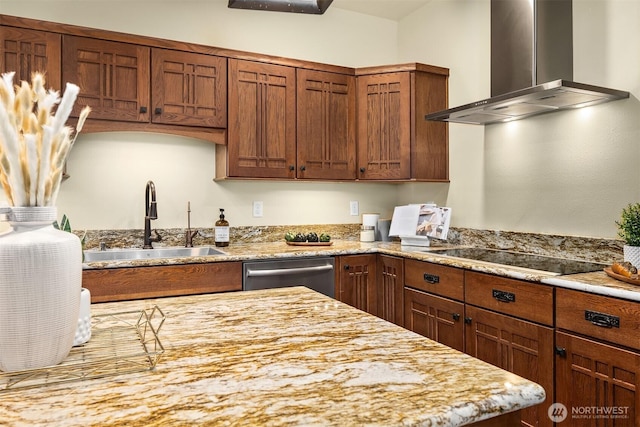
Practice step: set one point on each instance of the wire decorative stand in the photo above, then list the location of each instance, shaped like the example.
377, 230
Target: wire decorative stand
120, 343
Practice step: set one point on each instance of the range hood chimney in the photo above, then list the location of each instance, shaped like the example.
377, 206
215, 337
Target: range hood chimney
531, 42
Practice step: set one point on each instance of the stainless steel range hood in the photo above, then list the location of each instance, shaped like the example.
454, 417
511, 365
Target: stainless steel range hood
531, 41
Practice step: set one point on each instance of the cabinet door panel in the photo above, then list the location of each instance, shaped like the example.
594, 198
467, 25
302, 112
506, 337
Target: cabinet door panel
518, 346
28, 51
189, 89
262, 129
356, 278
384, 111
390, 289
437, 318
593, 376
113, 77
326, 125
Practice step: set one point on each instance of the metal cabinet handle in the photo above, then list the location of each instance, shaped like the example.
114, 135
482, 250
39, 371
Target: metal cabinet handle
362, 170
601, 319
431, 278
456, 316
303, 168
346, 267
468, 320
143, 110
287, 271
503, 296
561, 351
292, 168
158, 110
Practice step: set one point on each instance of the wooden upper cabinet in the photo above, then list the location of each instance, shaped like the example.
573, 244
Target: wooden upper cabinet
189, 88
383, 131
262, 120
113, 77
395, 142
28, 51
326, 128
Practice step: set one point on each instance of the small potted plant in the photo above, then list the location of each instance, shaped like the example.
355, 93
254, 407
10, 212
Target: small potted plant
629, 231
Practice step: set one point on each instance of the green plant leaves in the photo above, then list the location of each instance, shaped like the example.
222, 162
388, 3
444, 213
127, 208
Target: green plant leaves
629, 224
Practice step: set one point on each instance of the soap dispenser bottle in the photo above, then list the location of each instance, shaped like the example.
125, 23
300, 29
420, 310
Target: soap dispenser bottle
222, 230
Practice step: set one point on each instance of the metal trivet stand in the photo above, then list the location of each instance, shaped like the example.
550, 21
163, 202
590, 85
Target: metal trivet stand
120, 343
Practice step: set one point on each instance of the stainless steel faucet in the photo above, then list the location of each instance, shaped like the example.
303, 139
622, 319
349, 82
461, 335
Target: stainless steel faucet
151, 212
189, 235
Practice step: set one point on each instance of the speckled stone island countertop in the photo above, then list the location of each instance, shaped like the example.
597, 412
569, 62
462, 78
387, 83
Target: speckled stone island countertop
280, 357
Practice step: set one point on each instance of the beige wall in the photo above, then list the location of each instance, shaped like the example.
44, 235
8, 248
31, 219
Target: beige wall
567, 173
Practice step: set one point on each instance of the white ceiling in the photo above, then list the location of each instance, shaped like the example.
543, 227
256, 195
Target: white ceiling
389, 9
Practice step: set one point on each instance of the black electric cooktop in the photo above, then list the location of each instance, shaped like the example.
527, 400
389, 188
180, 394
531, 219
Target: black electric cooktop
557, 266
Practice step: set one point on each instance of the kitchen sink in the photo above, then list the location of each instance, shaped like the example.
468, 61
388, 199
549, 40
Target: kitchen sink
137, 253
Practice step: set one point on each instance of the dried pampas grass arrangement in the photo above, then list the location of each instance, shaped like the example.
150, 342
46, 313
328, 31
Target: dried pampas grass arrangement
34, 141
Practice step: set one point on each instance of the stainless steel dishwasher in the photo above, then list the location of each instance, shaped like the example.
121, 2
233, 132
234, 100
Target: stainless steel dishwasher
315, 273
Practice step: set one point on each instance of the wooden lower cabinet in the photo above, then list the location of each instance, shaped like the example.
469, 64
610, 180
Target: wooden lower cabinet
390, 289
598, 383
119, 284
437, 318
356, 281
518, 346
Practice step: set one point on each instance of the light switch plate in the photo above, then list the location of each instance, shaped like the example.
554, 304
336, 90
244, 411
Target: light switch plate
258, 209
354, 209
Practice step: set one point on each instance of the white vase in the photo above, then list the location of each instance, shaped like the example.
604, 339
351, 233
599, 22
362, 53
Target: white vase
40, 285
632, 254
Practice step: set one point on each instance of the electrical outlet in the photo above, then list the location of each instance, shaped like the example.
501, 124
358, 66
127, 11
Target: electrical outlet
258, 209
354, 210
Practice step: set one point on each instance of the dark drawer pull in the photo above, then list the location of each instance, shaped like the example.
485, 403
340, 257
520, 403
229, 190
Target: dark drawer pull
601, 319
504, 296
431, 278
561, 351
456, 316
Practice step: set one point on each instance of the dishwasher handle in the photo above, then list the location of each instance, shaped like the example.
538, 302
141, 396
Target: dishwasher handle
287, 271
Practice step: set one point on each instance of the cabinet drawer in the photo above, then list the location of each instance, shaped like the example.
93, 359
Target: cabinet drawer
434, 278
530, 301
606, 318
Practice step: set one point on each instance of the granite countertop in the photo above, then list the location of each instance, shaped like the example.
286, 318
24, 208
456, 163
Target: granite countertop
287, 356
596, 282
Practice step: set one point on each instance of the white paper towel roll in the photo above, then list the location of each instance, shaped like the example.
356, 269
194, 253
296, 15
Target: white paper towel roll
370, 219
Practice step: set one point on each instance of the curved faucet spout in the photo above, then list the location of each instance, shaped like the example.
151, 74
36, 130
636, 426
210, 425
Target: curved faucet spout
151, 209
150, 212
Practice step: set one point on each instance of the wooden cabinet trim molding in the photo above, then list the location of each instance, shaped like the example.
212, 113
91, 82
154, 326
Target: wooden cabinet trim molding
412, 66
